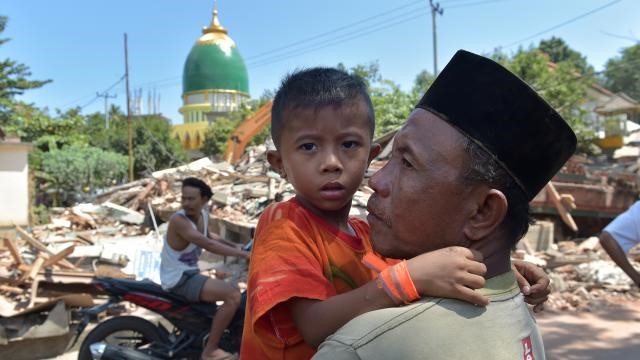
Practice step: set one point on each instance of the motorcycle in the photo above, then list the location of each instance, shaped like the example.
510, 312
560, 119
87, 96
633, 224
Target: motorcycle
130, 337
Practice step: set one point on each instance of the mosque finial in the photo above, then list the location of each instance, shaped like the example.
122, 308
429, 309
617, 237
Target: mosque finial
215, 23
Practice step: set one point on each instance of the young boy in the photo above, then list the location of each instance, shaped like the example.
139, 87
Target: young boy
307, 277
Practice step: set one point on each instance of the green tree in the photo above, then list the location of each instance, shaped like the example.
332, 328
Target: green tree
622, 73
75, 172
422, 82
391, 104
14, 80
153, 146
217, 135
46, 133
560, 85
370, 72
559, 51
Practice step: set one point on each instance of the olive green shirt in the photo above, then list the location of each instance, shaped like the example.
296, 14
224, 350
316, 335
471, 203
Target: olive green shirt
439, 328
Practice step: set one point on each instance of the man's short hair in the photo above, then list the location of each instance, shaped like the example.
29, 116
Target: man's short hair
315, 88
205, 190
484, 169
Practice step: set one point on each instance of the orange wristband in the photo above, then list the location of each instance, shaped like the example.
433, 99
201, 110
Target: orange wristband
396, 282
405, 283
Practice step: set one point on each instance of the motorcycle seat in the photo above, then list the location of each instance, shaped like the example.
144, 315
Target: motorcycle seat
144, 286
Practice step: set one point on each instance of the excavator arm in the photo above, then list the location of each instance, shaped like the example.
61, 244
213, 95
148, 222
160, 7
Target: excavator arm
247, 129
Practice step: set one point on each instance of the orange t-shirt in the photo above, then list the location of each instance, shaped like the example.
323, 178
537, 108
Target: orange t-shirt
297, 254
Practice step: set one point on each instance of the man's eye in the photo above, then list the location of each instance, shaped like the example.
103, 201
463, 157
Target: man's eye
406, 163
308, 147
350, 144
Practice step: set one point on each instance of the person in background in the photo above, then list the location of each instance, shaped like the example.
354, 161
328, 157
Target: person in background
620, 236
187, 235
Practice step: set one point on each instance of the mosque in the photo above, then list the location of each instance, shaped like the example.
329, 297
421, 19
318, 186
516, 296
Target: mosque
214, 83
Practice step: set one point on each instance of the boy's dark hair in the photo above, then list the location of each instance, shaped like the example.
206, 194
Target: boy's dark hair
205, 190
315, 88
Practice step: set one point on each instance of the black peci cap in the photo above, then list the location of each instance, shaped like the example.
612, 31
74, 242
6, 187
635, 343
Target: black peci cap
505, 116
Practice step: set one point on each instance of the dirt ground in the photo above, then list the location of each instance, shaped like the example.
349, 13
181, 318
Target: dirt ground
610, 331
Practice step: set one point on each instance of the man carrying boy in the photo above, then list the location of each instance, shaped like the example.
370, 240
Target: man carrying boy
186, 237
307, 277
478, 147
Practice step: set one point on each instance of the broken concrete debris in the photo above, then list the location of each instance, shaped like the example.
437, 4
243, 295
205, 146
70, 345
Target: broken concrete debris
120, 234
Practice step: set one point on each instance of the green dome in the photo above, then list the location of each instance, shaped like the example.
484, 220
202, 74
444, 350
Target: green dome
214, 63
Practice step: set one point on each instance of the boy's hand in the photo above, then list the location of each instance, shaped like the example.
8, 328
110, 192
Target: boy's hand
526, 274
452, 272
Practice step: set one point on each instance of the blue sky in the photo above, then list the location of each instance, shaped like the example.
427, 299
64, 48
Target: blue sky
79, 44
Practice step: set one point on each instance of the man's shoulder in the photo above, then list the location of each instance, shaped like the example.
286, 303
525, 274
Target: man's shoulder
435, 327
374, 324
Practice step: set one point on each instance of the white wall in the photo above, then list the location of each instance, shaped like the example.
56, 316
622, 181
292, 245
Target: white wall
14, 183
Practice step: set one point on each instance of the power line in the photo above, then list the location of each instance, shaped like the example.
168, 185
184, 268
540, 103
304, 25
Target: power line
384, 23
401, 19
567, 22
338, 29
630, 38
306, 40
303, 41
95, 97
289, 50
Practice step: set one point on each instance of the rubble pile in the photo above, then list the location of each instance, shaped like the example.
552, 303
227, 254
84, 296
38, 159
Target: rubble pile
119, 234
583, 277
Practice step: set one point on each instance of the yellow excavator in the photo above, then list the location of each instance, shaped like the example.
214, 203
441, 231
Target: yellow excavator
247, 129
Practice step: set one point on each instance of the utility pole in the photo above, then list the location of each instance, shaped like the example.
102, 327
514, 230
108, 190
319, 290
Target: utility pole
126, 75
106, 97
435, 9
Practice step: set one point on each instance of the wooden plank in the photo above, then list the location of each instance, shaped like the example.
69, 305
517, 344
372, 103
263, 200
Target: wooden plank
115, 189
41, 247
13, 250
33, 292
30, 272
37, 265
11, 289
85, 239
32, 241
142, 195
568, 200
557, 202
59, 256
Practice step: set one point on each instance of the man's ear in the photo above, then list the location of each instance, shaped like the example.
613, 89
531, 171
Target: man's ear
375, 151
275, 160
491, 208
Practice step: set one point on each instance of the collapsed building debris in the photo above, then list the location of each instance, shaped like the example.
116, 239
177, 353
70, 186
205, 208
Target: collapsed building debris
120, 234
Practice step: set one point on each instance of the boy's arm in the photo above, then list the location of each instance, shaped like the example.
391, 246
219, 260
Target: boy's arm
188, 233
527, 274
450, 272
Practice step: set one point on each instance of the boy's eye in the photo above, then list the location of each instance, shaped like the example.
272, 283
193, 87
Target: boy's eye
308, 146
350, 144
406, 163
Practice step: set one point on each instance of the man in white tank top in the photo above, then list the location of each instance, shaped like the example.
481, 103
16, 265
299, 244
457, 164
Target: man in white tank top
186, 237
